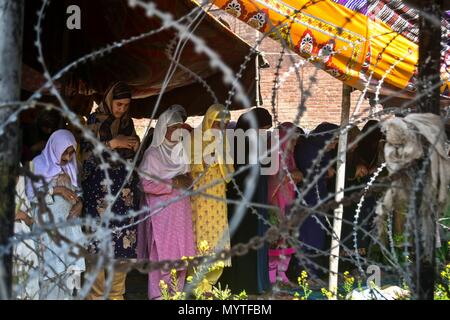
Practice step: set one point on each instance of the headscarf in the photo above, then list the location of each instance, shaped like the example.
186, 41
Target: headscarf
353, 134
165, 159
369, 144
301, 135
323, 133
106, 126
47, 164
285, 129
306, 153
281, 190
261, 116
231, 125
178, 108
215, 112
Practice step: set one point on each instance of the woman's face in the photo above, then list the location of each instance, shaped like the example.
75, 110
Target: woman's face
67, 156
333, 144
218, 124
291, 143
120, 107
171, 129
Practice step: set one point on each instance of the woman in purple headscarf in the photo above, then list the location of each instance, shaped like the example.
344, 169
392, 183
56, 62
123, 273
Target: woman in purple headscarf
60, 258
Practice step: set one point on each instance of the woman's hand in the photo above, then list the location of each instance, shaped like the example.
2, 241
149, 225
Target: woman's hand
297, 176
136, 145
124, 142
182, 181
361, 171
22, 216
76, 210
331, 172
66, 193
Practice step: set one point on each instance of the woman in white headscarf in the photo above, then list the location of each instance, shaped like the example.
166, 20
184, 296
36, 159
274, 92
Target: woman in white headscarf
60, 256
25, 259
166, 233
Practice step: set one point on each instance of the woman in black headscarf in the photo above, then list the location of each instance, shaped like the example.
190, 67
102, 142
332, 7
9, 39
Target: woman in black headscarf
249, 272
113, 127
370, 148
369, 155
355, 172
311, 232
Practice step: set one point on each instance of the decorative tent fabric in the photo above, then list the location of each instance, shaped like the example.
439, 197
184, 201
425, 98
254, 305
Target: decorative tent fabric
396, 14
352, 47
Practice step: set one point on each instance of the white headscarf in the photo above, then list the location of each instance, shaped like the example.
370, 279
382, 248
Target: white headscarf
47, 163
165, 159
178, 108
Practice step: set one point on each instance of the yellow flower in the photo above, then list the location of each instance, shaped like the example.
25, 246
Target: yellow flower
327, 293
173, 272
178, 296
163, 285
304, 274
219, 265
189, 279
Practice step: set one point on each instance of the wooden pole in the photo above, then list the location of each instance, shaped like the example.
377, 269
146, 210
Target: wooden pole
11, 27
424, 270
257, 70
429, 56
340, 185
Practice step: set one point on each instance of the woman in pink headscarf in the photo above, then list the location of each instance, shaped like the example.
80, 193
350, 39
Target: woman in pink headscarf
167, 232
60, 258
281, 192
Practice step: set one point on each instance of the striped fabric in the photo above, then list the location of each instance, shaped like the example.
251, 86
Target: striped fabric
395, 14
403, 20
313, 31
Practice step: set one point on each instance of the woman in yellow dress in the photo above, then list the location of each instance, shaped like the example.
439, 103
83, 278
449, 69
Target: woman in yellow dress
209, 207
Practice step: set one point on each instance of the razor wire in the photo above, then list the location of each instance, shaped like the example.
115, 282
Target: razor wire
289, 230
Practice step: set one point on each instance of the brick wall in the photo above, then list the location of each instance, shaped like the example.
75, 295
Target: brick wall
324, 103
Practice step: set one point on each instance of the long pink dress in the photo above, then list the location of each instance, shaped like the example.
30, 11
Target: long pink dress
281, 194
168, 234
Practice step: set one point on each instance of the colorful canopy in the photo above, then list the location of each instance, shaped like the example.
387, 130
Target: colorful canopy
355, 46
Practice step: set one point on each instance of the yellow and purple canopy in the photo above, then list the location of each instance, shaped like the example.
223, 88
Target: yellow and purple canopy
364, 45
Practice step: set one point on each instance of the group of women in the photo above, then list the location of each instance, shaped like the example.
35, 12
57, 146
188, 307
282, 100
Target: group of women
173, 207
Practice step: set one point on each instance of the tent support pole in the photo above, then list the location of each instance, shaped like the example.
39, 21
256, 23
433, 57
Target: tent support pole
340, 185
257, 73
11, 26
423, 268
